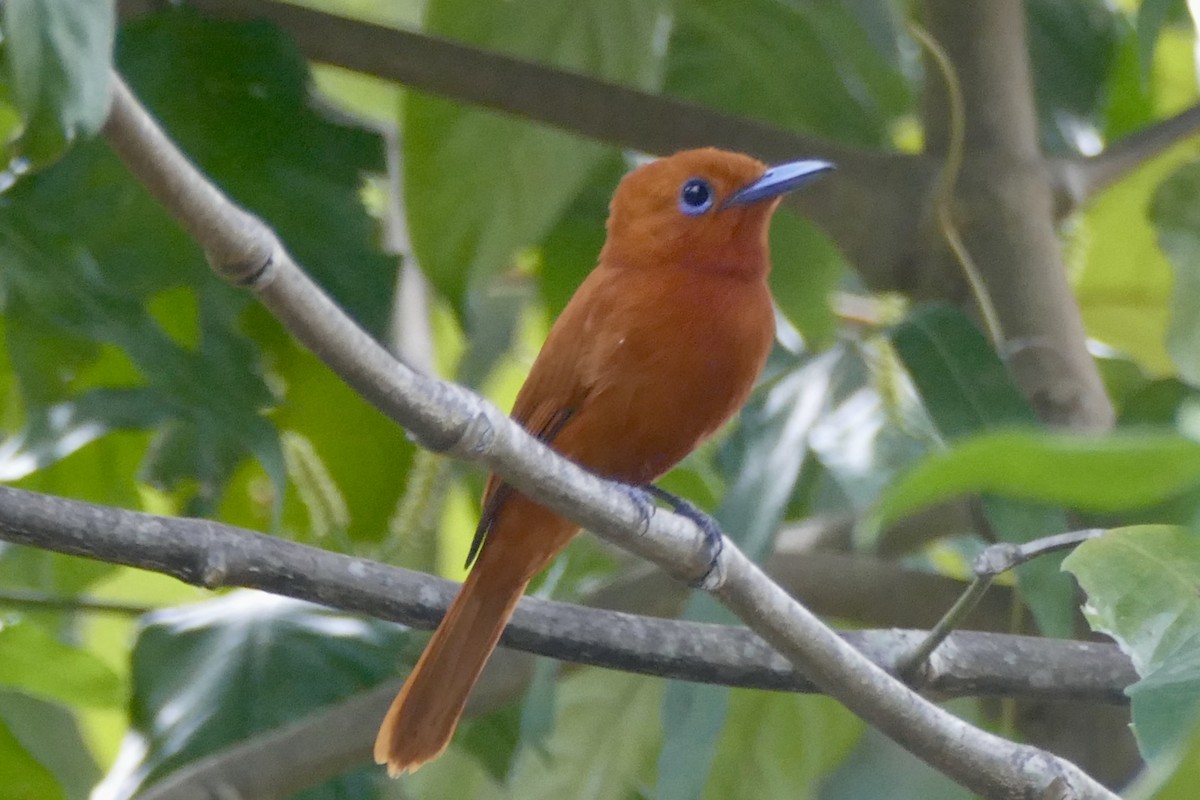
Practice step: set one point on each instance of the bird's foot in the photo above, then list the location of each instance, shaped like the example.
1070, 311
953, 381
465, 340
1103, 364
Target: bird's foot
714, 537
644, 502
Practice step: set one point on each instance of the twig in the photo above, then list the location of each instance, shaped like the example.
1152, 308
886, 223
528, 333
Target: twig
995, 560
450, 419
40, 601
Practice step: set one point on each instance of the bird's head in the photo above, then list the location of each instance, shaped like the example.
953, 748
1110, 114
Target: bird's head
705, 210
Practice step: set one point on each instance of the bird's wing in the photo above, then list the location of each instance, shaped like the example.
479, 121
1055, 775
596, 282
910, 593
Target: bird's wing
558, 385
549, 421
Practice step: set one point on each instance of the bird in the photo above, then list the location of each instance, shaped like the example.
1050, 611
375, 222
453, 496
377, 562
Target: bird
659, 346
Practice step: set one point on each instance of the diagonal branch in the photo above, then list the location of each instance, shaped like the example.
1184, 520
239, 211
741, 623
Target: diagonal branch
448, 418
1079, 179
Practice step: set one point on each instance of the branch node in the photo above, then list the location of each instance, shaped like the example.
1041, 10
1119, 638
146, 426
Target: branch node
214, 570
995, 559
254, 275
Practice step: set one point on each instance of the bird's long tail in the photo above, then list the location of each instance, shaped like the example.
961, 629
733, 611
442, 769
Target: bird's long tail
422, 718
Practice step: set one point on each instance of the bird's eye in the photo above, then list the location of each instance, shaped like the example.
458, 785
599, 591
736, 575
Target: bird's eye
695, 197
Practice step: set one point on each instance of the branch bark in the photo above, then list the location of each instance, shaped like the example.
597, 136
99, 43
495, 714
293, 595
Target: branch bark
450, 419
212, 555
1006, 209
1077, 180
215, 555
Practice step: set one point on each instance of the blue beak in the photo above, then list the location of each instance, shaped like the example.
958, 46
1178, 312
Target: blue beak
777, 180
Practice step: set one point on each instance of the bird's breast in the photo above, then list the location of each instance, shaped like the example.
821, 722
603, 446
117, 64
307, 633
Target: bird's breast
670, 364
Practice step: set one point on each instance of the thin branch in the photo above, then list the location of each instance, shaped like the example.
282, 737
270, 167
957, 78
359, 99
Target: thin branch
40, 601
1079, 179
450, 419
1000, 558
995, 560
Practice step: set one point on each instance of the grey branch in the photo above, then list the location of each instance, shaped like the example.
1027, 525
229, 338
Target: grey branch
215, 555
450, 419
993, 561
1080, 179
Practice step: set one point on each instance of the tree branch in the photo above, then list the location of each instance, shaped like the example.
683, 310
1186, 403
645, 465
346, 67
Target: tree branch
1006, 209
450, 419
1077, 180
212, 555
215, 555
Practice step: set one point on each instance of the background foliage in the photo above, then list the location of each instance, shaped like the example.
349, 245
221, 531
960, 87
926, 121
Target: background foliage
130, 376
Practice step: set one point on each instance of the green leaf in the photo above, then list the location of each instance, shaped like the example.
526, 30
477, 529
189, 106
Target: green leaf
572, 247
1151, 16
779, 745
480, 185
1176, 213
1170, 779
49, 733
1143, 587
963, 384
34, 662
806, 268
1072, 47
1090, 473
114, 321
967, 389
213, 673
852, 88
59, 58
1121, 278
602, 748
21, 775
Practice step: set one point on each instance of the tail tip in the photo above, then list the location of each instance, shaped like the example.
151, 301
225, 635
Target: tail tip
397, 761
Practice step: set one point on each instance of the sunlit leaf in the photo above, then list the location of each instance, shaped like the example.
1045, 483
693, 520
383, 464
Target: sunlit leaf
1122, 281
59, 58
210, 674
33, 661
779, 745
1143, 587
49, 734
1176, 214
1089, 473
21, 775
481, 185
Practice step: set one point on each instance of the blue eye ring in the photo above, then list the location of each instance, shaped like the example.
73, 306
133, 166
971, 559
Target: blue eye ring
695, 197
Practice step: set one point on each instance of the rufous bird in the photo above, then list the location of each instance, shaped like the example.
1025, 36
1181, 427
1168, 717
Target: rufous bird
659, 346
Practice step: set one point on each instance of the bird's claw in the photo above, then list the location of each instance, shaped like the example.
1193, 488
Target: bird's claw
714, 537
641, 498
